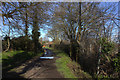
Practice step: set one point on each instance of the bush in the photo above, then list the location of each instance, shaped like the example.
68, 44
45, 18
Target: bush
23, 43
108, 63
107, 46
117, 64
62, 47
19, 43
4, 45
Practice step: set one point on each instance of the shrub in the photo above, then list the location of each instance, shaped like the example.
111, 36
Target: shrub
4, 45
117, 63
23, 43
107, 46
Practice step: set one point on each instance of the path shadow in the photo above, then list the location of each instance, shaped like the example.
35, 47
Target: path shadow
14, 61
37, 62
12, 75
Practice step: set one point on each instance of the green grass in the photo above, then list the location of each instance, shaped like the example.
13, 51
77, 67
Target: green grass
65, 64
13, 59
6, 55
62, 67
61, 64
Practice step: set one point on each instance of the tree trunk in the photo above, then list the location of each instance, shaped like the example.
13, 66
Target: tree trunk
98, 67
77, 54
26, 26
78, 34
35, 32
70, 49
0, 45
8, 46
79, 30
26, 31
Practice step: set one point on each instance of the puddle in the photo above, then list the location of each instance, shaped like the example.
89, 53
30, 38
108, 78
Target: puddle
46, 57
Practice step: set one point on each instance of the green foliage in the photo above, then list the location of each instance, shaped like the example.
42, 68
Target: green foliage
100, 77
62, 47
20, 43
61, 64
65, 66
13, 59
107, 46
117, 64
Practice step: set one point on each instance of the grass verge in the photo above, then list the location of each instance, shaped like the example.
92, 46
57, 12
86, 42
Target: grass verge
67, 67
13, 59
62, 67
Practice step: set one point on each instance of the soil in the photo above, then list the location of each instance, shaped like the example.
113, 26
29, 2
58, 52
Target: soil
35, 68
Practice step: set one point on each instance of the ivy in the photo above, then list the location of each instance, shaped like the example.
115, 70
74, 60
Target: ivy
117, 64
106, 45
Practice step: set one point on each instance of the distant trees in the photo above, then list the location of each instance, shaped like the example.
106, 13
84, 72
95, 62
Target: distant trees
55, 34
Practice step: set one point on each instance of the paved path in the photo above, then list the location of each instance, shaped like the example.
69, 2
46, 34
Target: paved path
36, 68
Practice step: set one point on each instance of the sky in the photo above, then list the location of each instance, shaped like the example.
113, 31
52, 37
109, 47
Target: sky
43, 32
